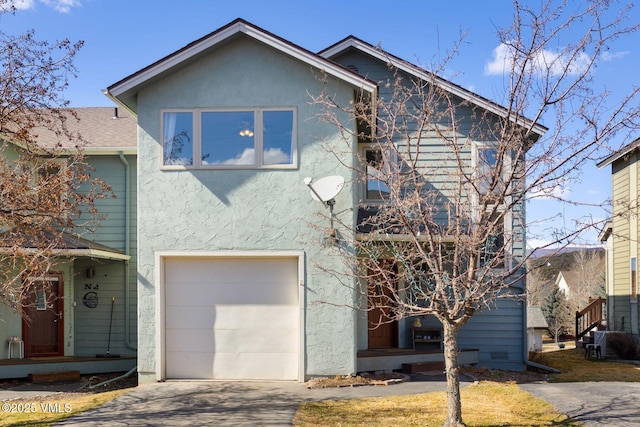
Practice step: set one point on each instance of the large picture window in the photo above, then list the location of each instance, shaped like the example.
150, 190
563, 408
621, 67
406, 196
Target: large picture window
253, 138
178, 138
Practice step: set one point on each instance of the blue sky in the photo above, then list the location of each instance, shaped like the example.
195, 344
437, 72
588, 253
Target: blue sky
122, 36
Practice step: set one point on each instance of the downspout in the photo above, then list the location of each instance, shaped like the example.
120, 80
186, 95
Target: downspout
127, 246
528, 362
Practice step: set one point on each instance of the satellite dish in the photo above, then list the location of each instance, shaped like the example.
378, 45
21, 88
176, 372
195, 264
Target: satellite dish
325, 189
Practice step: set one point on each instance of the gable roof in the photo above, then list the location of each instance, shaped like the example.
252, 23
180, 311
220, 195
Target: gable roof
352, 42
67, 246
105, 130
535, 318
571, 278
618, 154
123, 92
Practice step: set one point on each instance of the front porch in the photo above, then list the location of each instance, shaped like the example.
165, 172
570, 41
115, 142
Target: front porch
21, 368
392, 359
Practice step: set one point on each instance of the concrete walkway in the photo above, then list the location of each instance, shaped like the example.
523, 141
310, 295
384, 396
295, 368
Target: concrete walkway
206, 403
611, 404
202, 403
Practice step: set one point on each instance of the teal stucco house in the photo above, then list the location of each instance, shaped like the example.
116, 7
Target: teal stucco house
232, 278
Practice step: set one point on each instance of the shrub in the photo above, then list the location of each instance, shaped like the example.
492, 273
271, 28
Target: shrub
624, 345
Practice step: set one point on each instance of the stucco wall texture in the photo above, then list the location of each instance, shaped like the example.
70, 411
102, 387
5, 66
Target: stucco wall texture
247, 210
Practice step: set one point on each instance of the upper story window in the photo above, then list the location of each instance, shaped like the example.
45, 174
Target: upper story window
377, 174
252, 138
53, 185
487, 159
495, 247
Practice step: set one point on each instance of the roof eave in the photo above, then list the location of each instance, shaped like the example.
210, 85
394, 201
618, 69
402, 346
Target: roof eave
111, 151
78, 253
618, 154
127, 86
606, 232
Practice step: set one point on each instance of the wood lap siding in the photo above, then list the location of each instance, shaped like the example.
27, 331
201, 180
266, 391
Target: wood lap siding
497, 332
92, 324
621, 228
621, 246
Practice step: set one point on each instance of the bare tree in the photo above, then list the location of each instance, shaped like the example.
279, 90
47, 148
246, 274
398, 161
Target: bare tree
446, 238
538, 286
46, 190
589, 272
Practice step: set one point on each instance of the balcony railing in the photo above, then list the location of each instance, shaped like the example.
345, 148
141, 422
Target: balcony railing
590, 317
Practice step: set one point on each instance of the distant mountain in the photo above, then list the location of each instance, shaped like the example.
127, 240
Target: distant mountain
551, 264
547, 252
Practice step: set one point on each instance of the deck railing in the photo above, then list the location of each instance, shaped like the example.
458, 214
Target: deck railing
590, 317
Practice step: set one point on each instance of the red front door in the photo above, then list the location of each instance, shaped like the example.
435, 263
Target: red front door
383, 332
43, 328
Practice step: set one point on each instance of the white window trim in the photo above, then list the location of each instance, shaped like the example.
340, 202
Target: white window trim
258, 142
507, 229
480, 145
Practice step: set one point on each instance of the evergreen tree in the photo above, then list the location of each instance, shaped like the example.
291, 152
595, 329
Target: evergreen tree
557, 312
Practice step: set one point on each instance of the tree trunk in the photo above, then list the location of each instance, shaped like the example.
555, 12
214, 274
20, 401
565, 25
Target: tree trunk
454, 404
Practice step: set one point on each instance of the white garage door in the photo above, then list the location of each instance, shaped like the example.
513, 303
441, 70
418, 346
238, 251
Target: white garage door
232, 318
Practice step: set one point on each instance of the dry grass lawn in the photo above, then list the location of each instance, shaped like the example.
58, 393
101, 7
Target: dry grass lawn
489, 403
574, 367
485, 404
43, 413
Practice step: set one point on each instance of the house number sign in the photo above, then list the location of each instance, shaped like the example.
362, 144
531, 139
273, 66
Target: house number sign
90, 299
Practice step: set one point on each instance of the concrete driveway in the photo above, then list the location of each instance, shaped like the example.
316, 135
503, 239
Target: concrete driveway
206, 403
610, 404
203, 403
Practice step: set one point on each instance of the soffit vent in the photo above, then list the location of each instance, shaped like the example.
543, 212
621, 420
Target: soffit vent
353, 68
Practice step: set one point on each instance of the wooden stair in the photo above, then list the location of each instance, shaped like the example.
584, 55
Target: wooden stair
49, 377
591, 317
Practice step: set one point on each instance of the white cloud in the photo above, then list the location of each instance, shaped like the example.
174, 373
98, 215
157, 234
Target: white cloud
539, 243
608, 56
544, 61
554, 192
275, 156
272, 156
18, 5
63, 6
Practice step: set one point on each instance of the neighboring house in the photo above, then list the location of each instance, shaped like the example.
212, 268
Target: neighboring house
237, 278
536, 326
567, 281
621, 236
95, 269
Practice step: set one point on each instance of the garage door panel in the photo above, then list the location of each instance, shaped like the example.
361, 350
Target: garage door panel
279, 318
227, 293
189, 364
183, 317
197, 340
236, 318
231, 270
228, 341
255, 366
255, 317
267, 342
